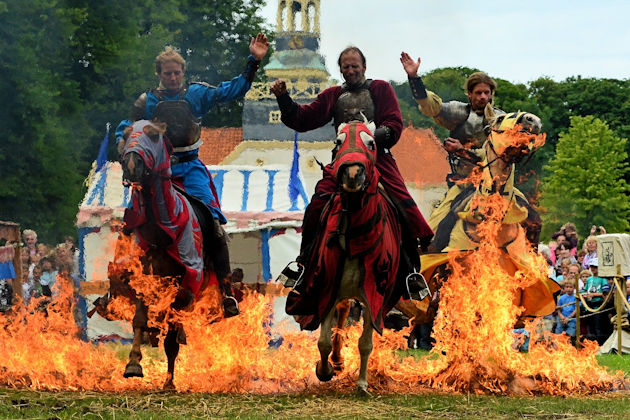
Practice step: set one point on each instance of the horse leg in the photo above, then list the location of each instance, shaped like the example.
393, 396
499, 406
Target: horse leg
324, 369
139, 323
365, 349
171, 348
343, 309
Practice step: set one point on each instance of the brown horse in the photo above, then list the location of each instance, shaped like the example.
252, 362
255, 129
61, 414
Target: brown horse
168, 230
357, 254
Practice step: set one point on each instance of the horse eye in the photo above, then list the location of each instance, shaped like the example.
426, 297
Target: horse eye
369, 144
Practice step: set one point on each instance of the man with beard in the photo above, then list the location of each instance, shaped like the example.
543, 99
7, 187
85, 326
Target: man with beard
467, 124
356, 99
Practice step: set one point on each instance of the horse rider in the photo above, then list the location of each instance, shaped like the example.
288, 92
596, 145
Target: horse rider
467, 123
358, 98
181, 106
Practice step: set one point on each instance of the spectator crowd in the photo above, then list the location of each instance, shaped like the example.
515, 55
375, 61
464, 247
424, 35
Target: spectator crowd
576, 269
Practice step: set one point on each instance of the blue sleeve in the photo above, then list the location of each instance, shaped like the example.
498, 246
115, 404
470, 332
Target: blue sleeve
120, 130
203, 97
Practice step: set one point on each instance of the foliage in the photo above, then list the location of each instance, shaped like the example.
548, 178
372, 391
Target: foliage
70, 66
586, 182
39, 153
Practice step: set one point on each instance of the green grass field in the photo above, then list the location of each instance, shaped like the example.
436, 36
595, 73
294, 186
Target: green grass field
24, 404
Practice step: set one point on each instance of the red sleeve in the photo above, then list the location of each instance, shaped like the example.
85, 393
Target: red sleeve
387, 108
314, 115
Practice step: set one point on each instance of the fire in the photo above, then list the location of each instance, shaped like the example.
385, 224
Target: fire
474, 349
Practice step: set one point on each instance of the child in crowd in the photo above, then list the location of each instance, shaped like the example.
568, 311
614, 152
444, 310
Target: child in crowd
49, 275
594, 296
565, 320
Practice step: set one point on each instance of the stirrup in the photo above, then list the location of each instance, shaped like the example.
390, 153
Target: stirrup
417, 286
230, 307
292, 274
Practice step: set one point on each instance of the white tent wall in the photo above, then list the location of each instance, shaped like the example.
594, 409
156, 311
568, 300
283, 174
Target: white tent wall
262, 222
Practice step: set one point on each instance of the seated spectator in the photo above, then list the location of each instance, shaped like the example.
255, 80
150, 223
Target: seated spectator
565, 321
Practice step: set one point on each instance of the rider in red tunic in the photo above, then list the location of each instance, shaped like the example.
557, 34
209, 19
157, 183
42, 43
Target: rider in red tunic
357, 98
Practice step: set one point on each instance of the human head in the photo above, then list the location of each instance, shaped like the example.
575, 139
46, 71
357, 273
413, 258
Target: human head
480, 89
170, 67
590, 244
564, 249
544, 251
69, 242
352, 66
46, 264
573, 271
237, 275
594, 265
580, 256
564, 265
568, 287
585, 274
30, 237
569, 229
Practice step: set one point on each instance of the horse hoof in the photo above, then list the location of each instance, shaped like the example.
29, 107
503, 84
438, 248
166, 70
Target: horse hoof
337, 366
169, 386
133, 370
324, 377
362, 390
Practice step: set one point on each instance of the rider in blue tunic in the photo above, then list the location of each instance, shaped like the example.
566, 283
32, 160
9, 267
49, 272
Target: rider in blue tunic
182, 106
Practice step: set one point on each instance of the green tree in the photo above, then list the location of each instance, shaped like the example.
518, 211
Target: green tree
586, 182
39, 153
70, 66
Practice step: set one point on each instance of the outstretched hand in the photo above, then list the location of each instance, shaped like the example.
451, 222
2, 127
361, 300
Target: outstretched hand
410, 66
259, 46
279, 87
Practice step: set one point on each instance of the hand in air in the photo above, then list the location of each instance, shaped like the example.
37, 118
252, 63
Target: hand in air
410, 66
279, 87
259, 46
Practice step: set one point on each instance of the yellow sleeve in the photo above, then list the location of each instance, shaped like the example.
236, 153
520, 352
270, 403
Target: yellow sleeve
431, 105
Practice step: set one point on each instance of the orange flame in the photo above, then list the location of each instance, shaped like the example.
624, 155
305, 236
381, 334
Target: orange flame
474, 349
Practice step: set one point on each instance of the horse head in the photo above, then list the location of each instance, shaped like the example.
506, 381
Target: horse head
512, 137
354, 164
145, 153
